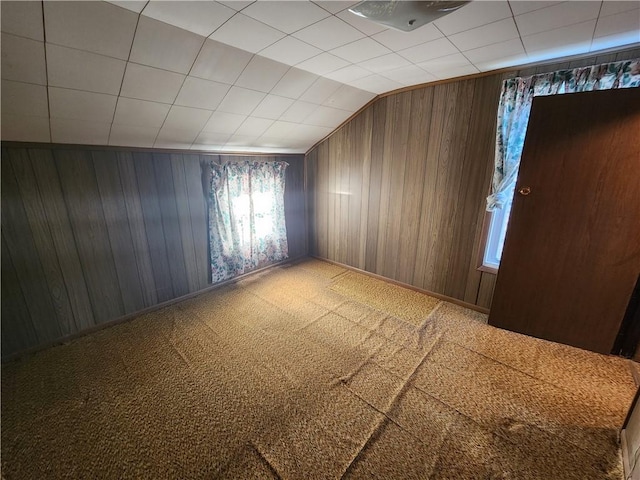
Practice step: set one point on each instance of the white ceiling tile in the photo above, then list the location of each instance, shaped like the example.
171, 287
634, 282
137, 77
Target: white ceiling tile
224, 123
349, 98
317, 34
74, 104
444, 63
376, 83
279, 144
561, 41
523, 6
287, 17
253, 126
23, 60
397, 40
241, 101
496, 51
261, 74
321, 89
133, 5
24, 99
348, 74
611, 7
210, 140
199, 93
186, 118
628, 21
280, 129
71, 68
361, 50
297, 112
132, 135
20, 128
23, 19
365, 26
165, 46
290, 51
323, 63
64, 130
234, 33
140, 113
175, 138
148, 83
385, 62
98, 27
241, 141
219, 62
327, 117
198, 17
334, 6
429, 50
272, 107
473, 15
411, 75
615, 40
294, 83
563, 14
459, 71
237, 4
313, 133
495, 32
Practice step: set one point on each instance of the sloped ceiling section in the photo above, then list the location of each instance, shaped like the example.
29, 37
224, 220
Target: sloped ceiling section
263, 76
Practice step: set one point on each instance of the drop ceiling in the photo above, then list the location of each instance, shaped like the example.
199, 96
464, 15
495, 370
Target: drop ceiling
265, 76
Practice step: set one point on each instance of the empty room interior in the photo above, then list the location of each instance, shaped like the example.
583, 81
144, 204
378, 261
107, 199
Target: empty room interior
309, 240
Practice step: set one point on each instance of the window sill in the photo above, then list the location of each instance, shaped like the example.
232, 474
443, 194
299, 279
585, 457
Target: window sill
486, 269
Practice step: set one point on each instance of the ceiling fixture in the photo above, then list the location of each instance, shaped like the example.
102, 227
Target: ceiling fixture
404, 15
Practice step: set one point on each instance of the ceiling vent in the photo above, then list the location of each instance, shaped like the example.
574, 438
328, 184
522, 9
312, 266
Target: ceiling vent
404, 15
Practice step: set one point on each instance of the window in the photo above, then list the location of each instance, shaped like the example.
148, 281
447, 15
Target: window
513, 116
247, 226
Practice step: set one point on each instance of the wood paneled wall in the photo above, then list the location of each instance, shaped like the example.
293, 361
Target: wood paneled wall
91, 235
400, 189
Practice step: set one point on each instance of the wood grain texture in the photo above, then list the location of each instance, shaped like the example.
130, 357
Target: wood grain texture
421, 161
408, 172
579, 226
22, 251
92, 234
82, 198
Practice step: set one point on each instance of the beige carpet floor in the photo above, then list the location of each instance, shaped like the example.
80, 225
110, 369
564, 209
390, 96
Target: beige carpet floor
311, 371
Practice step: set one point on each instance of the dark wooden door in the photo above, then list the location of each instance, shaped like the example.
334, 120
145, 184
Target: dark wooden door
572, 250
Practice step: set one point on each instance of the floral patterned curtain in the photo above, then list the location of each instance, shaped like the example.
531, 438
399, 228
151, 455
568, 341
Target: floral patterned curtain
515, 105
246, 216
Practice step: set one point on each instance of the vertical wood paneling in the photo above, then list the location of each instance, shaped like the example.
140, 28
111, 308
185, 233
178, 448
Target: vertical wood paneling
34, 210
135, 218
57, 218
115, 215
184, 220
15, 314
91, 235
421, 101
396, 152
375, 178
295, 206
23, 253
150, 202
80, 190
170, 224
421, 162
198, 214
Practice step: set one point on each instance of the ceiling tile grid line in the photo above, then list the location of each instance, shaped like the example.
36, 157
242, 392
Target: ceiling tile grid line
284, 69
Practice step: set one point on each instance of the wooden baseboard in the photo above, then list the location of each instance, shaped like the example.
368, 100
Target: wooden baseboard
130, 316
439, 296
